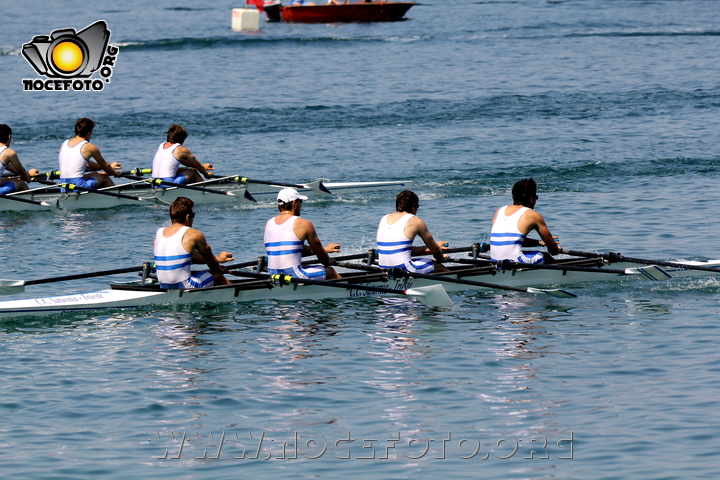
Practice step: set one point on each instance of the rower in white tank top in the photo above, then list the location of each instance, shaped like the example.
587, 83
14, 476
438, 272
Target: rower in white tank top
72, 162
165, 165
9, 158
2, 165
284, 251
8, 186
174, 264
394, 248
506, 240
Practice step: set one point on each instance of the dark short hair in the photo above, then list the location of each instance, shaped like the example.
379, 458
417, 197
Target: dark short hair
5, 133
180, 208
524, 191
406, 200
176, 134
287, 207
84, 126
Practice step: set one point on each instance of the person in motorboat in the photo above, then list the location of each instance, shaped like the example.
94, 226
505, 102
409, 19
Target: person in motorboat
171, 154
9, 161
512, 224
76, 155
285, 237
396, 233
178, 246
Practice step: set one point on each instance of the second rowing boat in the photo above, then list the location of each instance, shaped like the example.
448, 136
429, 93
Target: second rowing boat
141, 189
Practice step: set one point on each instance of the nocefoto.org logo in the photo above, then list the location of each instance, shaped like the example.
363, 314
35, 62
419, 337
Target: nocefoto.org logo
68, 58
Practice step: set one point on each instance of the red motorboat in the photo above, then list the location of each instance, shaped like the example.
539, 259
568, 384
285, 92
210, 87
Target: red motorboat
331, 13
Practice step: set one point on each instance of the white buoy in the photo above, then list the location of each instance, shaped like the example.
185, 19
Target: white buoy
245, 19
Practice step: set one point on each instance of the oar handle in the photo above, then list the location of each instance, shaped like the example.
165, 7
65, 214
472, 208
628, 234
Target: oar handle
52, 174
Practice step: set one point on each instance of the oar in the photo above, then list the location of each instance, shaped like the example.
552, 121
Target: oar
159, 183
433, 295
611, 257
398, 272
72, 186
651, 273
55, 207
10, 287
25, 200
316, 186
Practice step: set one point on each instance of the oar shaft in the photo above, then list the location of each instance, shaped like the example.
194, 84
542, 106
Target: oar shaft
246, 180
71, 186
24, 200
159, 183
324, 283
399, 272
84, 275
508, 265
461, 281
617, 258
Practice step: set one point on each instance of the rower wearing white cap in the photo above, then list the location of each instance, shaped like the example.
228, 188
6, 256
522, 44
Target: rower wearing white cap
285, 237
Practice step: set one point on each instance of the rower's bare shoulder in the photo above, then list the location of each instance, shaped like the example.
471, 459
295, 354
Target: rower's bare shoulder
9, 153
533, 218
182, 152
90, 149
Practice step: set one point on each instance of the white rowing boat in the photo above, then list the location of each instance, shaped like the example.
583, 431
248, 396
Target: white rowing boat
355, 285
52, 198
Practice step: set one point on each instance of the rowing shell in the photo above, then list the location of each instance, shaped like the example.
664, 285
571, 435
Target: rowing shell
131, 295
164, 196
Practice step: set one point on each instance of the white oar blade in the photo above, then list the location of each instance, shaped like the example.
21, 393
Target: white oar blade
11, 287
238, 194
653, 272
433, 295
318, 188
555, 292
56, 206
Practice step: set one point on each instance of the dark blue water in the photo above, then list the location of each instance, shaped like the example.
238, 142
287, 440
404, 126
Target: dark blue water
613, 107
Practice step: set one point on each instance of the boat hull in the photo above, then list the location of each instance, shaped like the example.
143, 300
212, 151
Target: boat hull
124, 296
165, 196
350, 12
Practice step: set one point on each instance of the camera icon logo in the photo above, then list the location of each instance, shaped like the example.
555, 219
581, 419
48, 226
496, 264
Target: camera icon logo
68, 58
68, 54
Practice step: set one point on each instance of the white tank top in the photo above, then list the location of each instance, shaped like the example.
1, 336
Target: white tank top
2, 165
172, 261
165, 164
505, 237
283, 247
72, 162
394, 248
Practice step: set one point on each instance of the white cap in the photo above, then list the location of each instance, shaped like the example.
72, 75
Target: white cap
287, 195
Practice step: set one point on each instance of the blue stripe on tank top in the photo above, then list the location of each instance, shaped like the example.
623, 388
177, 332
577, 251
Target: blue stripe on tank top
173, 267
394, 244
169, 258
282, 244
